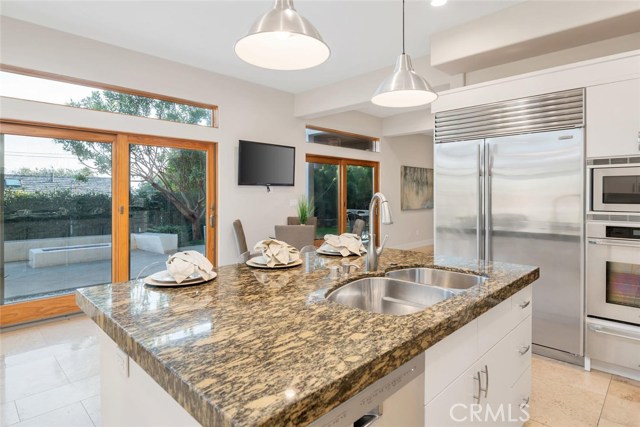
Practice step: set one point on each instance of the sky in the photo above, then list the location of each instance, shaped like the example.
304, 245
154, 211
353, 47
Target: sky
32, 152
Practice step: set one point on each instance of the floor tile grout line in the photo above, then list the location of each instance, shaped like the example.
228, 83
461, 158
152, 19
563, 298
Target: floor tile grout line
62, 369
87, 412
53, 410
605, 400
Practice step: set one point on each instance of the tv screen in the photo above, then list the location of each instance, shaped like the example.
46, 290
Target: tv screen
266, 164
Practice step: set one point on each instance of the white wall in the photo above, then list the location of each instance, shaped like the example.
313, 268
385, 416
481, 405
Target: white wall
413, 228
247, 111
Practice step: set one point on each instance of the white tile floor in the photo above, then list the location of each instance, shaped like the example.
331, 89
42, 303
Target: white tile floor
49, 378
49, 375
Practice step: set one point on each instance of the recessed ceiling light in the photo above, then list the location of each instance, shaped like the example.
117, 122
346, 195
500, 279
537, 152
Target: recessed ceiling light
436, 3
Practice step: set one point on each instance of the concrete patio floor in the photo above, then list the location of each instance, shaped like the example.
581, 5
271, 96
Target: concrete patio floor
22, 282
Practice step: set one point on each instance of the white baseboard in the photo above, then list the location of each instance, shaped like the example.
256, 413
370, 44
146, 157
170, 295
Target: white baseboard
413, 245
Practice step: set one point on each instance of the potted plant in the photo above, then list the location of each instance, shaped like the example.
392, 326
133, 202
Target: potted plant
305, 209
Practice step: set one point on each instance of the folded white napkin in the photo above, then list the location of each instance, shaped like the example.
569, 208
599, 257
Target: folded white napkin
185, 263
277, 252
346, 243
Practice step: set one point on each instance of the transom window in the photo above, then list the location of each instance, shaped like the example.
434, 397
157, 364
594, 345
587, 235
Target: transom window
77, 93
337, 138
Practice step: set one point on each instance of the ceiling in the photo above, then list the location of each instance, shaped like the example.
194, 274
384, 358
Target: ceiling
363, 35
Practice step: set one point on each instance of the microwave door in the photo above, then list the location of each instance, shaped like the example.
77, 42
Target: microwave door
616, 189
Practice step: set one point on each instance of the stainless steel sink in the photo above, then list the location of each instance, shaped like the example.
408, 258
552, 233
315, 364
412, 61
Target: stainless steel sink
388, 296
450, 280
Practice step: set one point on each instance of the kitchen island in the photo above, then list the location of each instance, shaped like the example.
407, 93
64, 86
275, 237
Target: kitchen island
258, 347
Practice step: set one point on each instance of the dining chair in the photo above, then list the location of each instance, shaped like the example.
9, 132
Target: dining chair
358, 227
297, 236
312, 220
241, 240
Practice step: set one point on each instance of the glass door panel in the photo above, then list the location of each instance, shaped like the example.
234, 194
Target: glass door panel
359, 192
323, 185
168, 205
56, 216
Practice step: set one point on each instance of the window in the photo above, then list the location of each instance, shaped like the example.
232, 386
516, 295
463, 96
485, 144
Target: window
94, 96
95, 207
341, 191
336, 138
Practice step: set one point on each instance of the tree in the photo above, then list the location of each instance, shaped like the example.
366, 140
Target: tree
177, 174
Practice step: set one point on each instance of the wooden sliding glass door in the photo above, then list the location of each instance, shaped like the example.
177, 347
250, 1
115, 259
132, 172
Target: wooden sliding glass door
342, 189
81, 208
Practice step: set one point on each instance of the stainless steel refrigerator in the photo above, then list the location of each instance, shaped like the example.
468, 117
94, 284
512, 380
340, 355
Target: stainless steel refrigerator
519, 199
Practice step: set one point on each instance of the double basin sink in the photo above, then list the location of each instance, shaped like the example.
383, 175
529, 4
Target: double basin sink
405, 291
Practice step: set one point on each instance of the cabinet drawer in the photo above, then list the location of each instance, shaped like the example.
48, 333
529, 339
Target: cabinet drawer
446, 360
614, 343
500, 320
519, 407
522, 304
510, 357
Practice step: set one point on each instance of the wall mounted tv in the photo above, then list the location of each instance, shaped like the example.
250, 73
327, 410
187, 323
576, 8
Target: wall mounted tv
266, 164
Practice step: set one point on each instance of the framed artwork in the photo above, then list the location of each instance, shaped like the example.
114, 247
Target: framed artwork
416, 188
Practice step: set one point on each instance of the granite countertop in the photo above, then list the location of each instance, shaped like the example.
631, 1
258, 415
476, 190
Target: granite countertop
261, 347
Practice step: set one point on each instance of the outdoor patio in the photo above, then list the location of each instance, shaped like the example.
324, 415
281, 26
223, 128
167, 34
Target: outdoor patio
22, 282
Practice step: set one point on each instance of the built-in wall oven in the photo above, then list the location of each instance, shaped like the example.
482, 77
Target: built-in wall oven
615, 189
613, 298
613, 272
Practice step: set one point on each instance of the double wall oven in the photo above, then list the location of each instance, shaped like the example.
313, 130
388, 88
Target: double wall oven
613, 269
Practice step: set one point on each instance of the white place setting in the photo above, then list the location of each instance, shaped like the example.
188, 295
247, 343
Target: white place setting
346, 244
185, 268
275, 254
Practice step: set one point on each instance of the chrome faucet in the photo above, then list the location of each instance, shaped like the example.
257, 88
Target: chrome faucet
385, 217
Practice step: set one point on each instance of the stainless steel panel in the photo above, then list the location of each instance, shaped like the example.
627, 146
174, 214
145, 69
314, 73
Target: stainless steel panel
536, 218
559, 110
458, 199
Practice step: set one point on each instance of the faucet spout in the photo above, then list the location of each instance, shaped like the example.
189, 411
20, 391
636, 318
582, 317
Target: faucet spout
373, 252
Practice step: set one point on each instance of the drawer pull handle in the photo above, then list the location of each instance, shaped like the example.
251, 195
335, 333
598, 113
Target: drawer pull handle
599, 329
525, 403
476, 378
525, 304
523, 349
485, 371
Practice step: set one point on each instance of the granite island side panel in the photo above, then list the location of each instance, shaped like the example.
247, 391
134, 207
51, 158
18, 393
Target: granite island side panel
257, 347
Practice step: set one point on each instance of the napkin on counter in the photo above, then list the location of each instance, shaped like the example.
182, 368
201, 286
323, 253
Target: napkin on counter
277, 252
346, 243
185, 263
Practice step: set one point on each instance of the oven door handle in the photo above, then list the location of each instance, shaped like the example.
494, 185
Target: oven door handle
614, 242
603, 330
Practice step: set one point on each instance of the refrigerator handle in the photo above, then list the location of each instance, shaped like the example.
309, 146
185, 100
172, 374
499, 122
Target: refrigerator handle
480, 217
487, 195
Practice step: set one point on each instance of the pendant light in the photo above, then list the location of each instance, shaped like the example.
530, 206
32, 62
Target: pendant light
283, 40
403, 88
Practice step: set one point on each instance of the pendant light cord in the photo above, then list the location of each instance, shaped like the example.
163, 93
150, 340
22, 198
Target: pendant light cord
403, 27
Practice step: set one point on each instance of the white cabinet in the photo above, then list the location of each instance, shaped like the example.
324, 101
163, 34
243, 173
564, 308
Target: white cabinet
494, 388
613, 119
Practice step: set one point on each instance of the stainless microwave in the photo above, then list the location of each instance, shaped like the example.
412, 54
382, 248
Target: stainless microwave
616, 189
